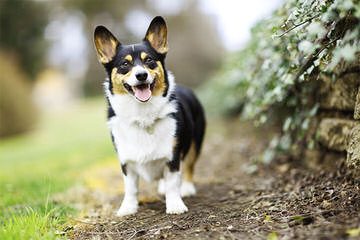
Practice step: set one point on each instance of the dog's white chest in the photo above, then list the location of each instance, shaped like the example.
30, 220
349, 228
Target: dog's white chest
143, 144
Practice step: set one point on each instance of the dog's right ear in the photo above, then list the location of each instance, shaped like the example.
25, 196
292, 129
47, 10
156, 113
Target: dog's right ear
105, 44
156, 35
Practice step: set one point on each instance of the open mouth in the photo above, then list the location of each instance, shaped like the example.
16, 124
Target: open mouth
142, 92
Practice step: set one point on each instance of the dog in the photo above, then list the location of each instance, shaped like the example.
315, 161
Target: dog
157, 127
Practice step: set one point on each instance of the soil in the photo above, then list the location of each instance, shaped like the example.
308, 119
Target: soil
238, 198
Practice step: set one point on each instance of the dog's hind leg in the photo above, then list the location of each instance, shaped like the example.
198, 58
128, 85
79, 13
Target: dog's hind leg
161, 187
174, 203
187, 185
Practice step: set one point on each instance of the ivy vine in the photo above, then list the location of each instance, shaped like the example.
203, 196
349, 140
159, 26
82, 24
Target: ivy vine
300, 42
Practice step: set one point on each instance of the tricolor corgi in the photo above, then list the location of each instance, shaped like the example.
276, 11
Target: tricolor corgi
157, 127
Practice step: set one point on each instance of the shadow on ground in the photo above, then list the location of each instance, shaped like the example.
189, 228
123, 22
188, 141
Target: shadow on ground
277, 201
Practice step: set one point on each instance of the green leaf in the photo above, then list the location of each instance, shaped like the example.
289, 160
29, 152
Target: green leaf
268, 156
353, 232
298, 218
267, 219
314, 110
272, 236
287, 124
311, 144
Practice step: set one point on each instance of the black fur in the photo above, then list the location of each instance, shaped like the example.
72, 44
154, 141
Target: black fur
113, 141
190, 125
110, 110
124, 169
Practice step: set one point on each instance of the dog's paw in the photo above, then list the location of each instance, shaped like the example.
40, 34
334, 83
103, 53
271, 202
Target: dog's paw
127, 208
176, 207
161, 187
187, 189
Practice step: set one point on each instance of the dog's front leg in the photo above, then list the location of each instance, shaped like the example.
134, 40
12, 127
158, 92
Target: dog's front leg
174, 203
130, 201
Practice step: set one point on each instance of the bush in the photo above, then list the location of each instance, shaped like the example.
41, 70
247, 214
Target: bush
300, 42
17, 112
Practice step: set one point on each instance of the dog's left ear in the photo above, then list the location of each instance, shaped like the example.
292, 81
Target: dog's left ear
156, 35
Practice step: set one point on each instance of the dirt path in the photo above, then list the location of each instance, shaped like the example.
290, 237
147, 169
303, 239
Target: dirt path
234, 201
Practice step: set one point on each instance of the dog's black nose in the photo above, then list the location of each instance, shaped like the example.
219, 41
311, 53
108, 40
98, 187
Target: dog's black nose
141, 76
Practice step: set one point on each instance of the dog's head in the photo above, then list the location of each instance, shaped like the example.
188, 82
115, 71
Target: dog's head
135, 69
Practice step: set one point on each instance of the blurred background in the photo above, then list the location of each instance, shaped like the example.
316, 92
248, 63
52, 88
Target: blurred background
48, 62
290, 64
52, 110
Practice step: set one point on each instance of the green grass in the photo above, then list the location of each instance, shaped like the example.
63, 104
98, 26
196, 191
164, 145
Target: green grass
46, 161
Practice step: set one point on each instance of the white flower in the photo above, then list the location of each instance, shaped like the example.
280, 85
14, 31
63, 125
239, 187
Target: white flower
344, 4
348, 52
316, 29
306, 47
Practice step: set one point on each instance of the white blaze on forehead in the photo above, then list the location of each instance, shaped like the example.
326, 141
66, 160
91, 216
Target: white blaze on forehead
132, 80
139, 69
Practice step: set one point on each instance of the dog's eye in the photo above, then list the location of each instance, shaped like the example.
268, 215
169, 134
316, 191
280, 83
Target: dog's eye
149, 60
125, 64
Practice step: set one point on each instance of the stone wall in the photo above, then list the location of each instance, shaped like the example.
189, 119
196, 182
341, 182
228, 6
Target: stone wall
337, 124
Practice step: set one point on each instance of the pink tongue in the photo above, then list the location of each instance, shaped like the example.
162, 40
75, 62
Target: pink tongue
143, 94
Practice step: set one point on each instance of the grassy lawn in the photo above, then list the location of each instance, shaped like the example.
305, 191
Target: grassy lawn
46, 161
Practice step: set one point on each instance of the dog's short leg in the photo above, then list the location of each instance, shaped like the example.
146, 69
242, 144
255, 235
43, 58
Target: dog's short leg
174, 203
130, 201
187, 186
187, 189
161, 187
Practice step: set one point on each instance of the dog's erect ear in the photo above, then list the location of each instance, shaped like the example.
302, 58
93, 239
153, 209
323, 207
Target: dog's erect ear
156, 35
105, 44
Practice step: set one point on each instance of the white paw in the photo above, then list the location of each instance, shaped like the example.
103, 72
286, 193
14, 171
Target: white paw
187, 189
127, 208
175, 207
161, 187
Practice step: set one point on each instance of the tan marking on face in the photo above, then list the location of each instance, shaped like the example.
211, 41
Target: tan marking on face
159, 76
129, 58
117, 80
106, 49
143, 55
189, 163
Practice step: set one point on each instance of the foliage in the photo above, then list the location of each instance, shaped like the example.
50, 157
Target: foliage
17, 113
286, 54
48, 161
22, 25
